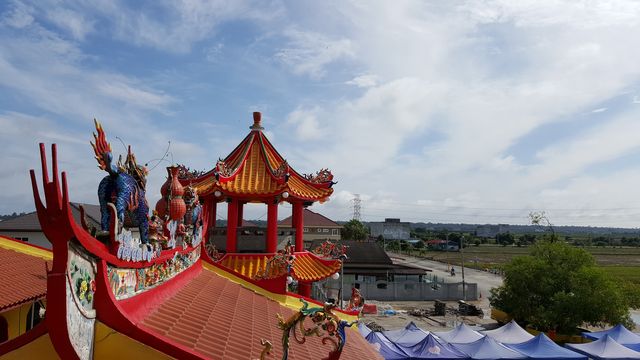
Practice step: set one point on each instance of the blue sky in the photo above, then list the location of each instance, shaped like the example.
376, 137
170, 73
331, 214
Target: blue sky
476, 112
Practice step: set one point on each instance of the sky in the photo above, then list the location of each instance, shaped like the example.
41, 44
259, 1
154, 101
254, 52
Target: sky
433, 111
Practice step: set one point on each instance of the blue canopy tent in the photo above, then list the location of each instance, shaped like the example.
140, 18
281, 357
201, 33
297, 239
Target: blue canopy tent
364, 329
619, 333
409, 336
510, 333
605, 348
461, 334
433, 348
488, 349
543, 348
387, 349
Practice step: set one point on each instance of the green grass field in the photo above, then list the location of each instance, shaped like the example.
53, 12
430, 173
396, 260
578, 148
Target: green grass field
621, 262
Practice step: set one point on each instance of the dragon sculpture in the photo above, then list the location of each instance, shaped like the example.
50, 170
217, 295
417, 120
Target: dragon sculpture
124, 186
325, 324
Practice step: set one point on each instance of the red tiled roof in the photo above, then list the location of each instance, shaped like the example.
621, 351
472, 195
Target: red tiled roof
220, 319
310, 218
23, 278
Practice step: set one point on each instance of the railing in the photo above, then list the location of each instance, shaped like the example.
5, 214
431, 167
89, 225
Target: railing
249, 238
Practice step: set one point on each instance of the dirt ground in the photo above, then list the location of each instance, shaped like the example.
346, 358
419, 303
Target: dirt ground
431, 323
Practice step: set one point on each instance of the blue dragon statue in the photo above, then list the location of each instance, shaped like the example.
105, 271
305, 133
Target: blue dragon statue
124, 186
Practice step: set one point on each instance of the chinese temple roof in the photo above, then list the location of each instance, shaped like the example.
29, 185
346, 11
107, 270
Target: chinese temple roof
255, 168
24, 277
221, 319
305, 267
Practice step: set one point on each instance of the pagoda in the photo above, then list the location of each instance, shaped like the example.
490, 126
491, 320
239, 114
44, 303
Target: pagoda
153, 287
254, 172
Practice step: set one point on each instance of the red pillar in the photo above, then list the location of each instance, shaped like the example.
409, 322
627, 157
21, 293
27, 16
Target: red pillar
298, 224
232, 226
240, 207
272, 227
304, 289
209, 210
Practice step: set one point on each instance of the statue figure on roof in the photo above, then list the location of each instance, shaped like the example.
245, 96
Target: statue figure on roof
124, 186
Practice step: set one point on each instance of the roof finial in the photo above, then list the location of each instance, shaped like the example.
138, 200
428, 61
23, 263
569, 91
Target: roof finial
257, 121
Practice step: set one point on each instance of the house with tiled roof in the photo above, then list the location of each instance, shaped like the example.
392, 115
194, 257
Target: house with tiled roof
316, 227
170, 294
27, 227
23, 286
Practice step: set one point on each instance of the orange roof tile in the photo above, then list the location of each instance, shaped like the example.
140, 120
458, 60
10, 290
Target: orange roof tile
24, 278
309, 267
306, 266
254, 168
223, 320
249, 265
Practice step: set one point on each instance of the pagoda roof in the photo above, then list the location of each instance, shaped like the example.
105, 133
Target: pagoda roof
256, 169
306, 266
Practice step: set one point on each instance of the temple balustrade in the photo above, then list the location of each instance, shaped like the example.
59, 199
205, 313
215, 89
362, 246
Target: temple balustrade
250, 239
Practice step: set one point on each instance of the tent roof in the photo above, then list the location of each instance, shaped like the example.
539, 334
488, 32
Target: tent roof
605, 348
433, 348
618, 333
386, 347
541, 347
409, 336
510, 333
364, 329
461, 334
488, 348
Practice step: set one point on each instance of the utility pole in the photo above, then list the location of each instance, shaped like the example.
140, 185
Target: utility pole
464, 290
356, 206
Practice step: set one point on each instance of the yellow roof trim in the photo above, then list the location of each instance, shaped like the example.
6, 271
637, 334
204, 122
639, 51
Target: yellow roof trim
15, 245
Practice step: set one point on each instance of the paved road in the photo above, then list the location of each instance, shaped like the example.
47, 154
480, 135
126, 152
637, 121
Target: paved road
485, 280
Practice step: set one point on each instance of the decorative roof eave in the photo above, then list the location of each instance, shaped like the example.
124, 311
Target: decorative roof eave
308, 267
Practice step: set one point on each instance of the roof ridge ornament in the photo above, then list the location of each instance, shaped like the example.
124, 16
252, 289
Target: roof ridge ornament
257, 122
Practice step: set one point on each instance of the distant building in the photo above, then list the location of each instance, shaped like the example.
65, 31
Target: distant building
391, 229
27, 227
316, 227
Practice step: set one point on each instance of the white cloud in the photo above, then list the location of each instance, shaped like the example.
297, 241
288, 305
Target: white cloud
73, 22
364, 81
306, 123
307, 53
18, 16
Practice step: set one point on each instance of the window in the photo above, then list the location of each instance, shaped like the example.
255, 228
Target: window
4, 329
319, 230
335, 232
25, 239
382, 286
325, 230
306, 230
33, 316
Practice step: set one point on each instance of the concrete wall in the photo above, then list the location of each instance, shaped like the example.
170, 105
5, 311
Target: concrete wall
412, 290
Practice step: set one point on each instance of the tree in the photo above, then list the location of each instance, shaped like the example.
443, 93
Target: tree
505, 239
354, 230
560, 287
